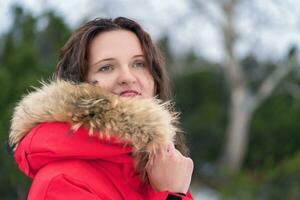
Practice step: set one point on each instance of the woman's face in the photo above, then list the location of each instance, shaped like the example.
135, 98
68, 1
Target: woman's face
117, 63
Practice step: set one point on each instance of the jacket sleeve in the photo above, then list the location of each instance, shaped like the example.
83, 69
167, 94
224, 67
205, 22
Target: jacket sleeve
172, 196
62, 187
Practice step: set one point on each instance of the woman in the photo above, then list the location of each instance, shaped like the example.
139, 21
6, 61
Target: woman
97, 132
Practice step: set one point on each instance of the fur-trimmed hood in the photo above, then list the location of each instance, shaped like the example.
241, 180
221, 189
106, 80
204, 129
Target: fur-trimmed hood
146, 124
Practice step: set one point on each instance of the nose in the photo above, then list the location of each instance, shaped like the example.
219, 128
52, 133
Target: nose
126, 76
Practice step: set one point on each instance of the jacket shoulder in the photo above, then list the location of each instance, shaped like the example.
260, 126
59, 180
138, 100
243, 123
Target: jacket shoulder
59, 187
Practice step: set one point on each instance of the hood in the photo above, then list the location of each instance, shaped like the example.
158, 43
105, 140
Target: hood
145, 124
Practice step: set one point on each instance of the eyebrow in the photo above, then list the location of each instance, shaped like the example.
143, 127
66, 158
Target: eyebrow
110, 59
139, 56
106, 59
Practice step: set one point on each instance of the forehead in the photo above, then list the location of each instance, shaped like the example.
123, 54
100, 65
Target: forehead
115, 43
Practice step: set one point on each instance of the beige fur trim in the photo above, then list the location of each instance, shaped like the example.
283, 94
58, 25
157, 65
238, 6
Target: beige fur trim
146, 123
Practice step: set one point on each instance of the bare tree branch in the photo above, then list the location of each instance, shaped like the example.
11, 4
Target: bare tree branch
200, 6
274, 79
233, 69
292, 89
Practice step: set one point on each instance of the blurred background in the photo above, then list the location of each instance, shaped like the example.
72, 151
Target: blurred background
235, 72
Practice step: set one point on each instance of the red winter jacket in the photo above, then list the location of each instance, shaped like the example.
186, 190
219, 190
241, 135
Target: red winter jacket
66, 158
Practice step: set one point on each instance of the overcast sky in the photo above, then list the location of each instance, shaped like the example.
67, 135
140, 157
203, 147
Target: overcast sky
266, 29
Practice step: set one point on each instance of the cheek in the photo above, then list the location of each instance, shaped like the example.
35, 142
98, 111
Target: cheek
106, 83
150, 85
153, 87
102, 81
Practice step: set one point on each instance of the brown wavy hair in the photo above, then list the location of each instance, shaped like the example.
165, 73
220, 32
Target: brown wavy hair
73, 58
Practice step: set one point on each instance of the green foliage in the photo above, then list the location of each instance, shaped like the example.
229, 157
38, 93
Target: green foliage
277, 183
201, 99
283, 181
240, 186
271, 169
23, 62
275, 132
56, 32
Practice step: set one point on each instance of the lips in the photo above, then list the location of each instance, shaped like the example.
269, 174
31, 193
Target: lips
129, 93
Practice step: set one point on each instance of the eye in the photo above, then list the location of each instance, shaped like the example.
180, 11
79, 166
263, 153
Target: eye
139, 64
106, 68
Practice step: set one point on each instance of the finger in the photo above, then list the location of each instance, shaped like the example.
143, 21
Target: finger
178, 154
167, 151
149, 165
151, 160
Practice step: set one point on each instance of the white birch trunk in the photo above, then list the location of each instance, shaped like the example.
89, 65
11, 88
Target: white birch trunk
243, 103
237, 133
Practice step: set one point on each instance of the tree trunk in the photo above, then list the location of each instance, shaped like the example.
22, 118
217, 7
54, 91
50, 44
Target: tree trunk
241, 110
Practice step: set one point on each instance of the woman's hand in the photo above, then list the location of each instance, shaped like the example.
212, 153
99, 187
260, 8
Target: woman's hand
170, 171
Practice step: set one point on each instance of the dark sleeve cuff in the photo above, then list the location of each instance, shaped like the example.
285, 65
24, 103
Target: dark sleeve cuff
173, 197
